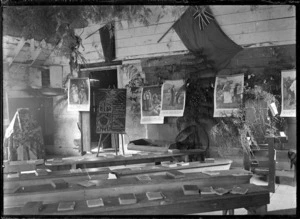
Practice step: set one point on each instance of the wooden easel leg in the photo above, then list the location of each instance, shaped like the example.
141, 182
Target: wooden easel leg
122, 144
99, 144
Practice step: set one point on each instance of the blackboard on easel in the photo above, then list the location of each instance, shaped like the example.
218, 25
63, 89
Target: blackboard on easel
111, 113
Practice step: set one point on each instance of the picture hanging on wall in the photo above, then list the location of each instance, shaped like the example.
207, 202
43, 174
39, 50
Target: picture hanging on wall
79, 94
288, 93
228, 94
173, 98
151, 105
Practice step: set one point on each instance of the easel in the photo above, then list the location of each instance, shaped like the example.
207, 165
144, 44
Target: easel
100, 142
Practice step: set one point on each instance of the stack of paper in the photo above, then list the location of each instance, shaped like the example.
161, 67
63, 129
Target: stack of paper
92, 203
221, 191
41, 172
13, 175
32, 208
207, 190
190, 189
66, 206
59, 184
175, 174
154, 195
126, 199
238, 190
144, 177
86, 183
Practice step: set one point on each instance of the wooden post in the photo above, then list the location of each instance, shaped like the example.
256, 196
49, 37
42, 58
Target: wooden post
86, 131
272, 160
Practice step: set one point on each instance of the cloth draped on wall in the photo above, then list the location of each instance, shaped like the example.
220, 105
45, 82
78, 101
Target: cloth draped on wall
108, 42
200, 32
23, 138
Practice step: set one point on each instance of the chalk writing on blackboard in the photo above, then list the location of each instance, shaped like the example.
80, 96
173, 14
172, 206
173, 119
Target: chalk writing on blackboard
111, 110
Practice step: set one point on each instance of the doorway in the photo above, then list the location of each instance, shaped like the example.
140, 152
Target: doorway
108, 79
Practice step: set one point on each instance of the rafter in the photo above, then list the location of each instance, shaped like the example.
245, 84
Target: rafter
17, 50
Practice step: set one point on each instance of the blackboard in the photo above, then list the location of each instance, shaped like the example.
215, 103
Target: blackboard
111, 110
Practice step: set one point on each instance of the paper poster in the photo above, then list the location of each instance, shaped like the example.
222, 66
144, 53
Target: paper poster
228, 94
173, 98
288, 93
79, 94
151, 105
111, 110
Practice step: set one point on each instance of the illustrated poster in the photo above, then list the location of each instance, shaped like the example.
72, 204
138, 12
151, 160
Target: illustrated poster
111, 110
151, 105
288, 93
173, 98
228, 94
79, 94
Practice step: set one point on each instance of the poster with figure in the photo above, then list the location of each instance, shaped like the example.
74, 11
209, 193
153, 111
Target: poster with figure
111, 110
288, 93
228, 94
173, 98
151, 105
79, 94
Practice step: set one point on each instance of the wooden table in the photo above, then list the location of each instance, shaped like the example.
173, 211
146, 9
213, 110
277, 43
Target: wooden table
174, 203
102, 172
108, 187
119, 160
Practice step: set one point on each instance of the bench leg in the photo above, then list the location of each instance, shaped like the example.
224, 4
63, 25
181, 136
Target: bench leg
230, 212
260, 210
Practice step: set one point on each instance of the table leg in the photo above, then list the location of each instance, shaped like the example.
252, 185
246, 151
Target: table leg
229, 211
260, 210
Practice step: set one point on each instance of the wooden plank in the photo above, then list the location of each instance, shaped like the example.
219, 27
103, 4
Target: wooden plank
272, 164
156, 10
232, 9
100, 162
281, 11
261, 37
17, 50
192, 167
174, 203
86, 131
146, 40
107, 187
159, 28
260, 26
150, 49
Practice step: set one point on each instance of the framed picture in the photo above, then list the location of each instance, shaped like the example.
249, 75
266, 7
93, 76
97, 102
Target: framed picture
151, 105
228, 94
173, 98
288, 93
79, 94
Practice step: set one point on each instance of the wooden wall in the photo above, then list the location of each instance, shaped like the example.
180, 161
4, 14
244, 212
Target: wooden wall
263, 25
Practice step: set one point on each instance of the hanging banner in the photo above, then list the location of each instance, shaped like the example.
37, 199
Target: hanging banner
173, 98
228, 94
288, 93
111, 110
151, 105
79, 94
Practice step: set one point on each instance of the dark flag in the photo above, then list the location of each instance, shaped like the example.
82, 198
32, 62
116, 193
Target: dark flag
199, 31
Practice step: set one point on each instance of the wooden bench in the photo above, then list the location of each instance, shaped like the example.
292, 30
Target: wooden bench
119, 160
173, 203
102, 172
106, 187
